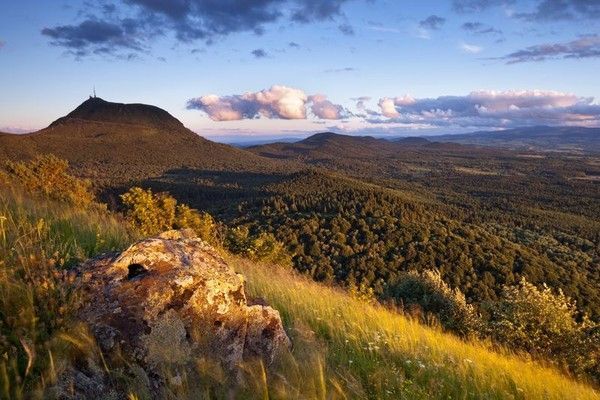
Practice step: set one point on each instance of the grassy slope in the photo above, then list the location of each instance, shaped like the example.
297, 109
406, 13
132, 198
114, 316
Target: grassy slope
367, 349
343, 348
38, 241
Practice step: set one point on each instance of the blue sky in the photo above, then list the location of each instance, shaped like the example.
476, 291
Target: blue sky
292, 67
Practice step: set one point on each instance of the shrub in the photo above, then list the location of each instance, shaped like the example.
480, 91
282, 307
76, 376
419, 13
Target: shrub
545, 325
262, 247
430, 294
152, 213
49, 176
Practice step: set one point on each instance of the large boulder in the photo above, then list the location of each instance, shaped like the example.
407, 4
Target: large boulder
169, 300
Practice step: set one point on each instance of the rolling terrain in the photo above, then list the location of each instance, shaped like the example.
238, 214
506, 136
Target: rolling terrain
358, 209
541, 138
344, 348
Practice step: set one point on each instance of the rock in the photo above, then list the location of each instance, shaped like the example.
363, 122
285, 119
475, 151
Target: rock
169, 300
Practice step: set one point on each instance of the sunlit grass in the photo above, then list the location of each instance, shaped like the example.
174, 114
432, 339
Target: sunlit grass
370, 352
39, 240
343, 348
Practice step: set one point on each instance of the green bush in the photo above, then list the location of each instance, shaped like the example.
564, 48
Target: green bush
261, 247
152, 213
429, 294
49, 176
548, 326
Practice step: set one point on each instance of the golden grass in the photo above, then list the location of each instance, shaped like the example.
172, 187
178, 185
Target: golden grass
343, 348
369, 351
39, 240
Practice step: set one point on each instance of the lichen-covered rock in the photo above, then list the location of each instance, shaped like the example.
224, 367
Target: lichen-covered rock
169, 300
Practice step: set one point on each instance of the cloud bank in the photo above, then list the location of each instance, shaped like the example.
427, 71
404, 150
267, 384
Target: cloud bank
131, 24
476, 110
492, 109
278, 102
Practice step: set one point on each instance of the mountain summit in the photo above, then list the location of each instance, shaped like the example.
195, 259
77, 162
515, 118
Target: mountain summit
99, 110
124, 142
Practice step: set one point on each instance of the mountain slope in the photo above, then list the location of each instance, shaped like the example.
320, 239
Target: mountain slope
120, 142
344, 348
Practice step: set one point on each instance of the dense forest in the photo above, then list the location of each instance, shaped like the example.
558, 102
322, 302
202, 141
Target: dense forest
339, 230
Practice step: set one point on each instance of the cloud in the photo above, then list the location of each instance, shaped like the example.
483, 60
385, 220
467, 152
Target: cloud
96, 36
480, 28
492, 109
131, 24
432, 22
471, 48
543, 10
470, 6
583, 47
278, 102
259, 53
346, 29
317, 10
2, 44
325, 109
552, 10
361, 102
338, 70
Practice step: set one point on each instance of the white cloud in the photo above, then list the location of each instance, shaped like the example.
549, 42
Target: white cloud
278, 102
492, 109
471, 48
388, 107
325, 109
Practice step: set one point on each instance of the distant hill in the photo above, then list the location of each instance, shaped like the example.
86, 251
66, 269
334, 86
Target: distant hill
329, 145
542, 138
124, 142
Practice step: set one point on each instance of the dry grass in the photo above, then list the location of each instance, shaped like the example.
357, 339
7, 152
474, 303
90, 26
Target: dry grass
343, 348
366, 351
39, 240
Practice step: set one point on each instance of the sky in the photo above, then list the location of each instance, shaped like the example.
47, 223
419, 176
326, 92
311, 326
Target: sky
231, 69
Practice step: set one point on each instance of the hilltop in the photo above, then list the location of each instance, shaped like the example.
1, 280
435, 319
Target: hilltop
118, 143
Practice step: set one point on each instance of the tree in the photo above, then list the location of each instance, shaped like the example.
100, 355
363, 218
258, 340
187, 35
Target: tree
546, 325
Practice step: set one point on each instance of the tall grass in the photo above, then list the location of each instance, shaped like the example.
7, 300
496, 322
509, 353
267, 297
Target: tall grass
343, 348
39, 241
349, 349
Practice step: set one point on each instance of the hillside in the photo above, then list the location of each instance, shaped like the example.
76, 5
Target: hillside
343, 346
542, 138
363, 211
328, 145
123, 142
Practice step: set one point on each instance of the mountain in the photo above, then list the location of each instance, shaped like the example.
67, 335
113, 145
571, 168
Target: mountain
543, 138
329, 145
121, 142
97, 109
